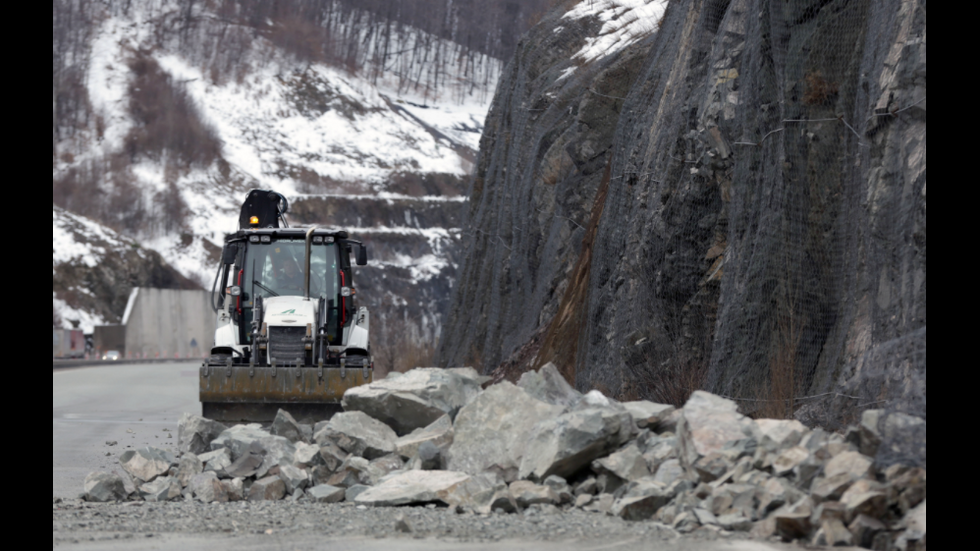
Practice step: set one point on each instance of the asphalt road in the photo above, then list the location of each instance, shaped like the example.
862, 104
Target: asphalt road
131, 404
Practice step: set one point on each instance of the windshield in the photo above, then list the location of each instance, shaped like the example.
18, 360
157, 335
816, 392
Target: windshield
276, 269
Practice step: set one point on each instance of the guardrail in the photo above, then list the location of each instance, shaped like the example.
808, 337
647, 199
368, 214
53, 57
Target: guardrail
59, 364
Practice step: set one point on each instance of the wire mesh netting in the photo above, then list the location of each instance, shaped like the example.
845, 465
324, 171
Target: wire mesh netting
735, 202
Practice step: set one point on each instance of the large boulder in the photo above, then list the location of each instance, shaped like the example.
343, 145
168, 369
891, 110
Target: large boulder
627, 463
413, 487
440, 433
415, 399
548, 385
147, 463
195, 433
358, 433
491, 432
103, 487
903, 441
707, 423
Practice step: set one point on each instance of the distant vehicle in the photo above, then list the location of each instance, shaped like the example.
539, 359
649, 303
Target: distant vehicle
68, 343
111, 355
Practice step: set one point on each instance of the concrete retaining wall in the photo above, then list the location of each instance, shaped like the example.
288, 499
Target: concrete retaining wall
169, 323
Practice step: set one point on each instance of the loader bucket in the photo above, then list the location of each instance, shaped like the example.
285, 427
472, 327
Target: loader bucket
254, 394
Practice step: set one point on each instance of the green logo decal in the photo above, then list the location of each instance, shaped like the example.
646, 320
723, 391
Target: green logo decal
290, 311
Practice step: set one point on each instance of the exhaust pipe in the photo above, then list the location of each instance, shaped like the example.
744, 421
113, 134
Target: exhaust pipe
306, 276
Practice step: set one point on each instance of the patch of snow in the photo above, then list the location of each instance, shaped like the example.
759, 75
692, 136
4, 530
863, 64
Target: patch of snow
129, 304
86, 320
624, 22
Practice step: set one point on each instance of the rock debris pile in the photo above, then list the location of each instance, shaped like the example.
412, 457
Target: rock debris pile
433, 436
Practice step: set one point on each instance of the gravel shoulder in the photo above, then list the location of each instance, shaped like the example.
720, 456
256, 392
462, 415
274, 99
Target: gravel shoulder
303, 525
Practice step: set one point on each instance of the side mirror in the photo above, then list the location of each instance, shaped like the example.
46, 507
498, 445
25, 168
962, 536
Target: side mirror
362, 255
229, 253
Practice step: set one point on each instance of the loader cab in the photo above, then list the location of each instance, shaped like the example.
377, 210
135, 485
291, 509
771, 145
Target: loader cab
271, 262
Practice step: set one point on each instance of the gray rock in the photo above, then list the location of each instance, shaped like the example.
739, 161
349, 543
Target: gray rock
188, 466
145, 464
648, 414
439, 432
914, 536
587, 486
527, 493
830, 488
864, 529
325, 493
903, 441
869, 438
704, 516
276, 451
626, 463
481, 494
548, 385
582, 500
293, 477
788, 460
331, 454
492, 431
357, 433
416, 398
794, 522
238, 438
218, 461
864, 497
246, 465
668, 472
707, 423
207, 488
775, 493
908, 488
352, 492
378, 468
430, 456
565, 444
162, 488
833, 533
195, 433
734, 522
851, 463
777, 435
410, 487
234, 488
642, 500
711, 467
270, 488
352, 472
286, 426
560, 487
602, 503
103, 487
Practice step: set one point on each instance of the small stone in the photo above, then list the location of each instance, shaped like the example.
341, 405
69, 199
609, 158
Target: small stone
849, 462
162, 488
246, 465
268, 488
705, 517
833, 533
641, 500
527, 493
331, 454
788, 460
207, 488
147, 463
430, 456
560, 487
668, 472
234, 488
830, 488
352, 492
864, 529
734, 522
794, 521
869, 438
325, 493
217, 461
103, 487
603, 503
286, 426
307, 455
582, 500
195, 433
587, 486
864, 497
402, 525
293, 477
712, 466
647, 414
111, 442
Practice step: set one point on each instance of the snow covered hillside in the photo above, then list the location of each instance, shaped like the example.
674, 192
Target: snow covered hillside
172, 146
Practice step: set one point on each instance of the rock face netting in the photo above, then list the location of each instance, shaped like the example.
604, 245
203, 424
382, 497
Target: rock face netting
736, 202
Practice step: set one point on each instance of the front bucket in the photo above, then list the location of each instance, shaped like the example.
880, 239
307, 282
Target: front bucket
255, 394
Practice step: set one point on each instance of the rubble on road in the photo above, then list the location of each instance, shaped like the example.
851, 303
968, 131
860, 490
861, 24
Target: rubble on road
433, 436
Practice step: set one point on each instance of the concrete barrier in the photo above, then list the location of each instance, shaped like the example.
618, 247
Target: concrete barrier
168, 323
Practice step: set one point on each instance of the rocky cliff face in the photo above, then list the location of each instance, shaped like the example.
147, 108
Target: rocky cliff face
736, 202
